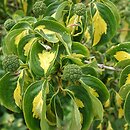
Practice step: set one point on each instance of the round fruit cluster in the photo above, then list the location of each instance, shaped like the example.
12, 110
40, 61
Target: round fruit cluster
72, 72
11, 63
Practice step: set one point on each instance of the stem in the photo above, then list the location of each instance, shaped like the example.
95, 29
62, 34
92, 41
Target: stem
102, 66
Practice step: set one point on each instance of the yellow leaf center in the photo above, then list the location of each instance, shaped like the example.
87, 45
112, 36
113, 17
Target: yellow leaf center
100, 27
28, 46
45, 59
122, 55
37, 105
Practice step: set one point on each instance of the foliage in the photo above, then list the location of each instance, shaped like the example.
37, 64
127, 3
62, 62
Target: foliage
64, 78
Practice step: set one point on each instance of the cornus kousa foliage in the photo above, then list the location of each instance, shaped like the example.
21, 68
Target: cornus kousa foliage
51, 72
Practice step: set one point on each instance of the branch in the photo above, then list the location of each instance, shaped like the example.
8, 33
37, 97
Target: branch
102, 66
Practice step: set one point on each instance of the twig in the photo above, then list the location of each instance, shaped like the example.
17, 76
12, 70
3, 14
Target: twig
102, 66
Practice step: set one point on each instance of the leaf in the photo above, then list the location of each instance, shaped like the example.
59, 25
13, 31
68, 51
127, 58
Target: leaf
100, 27
18, 90
62, 33
8, 84
30, 19
97, 85
122, 64
124, 91
81, 94
124, 75
29, 99
128, 79
48, 35
9, 41
37, 105
75, 58
45, 59
118, 100
24, 46
98, 112
28, 46
52, 7
20, 36
60, 10
22, 24
41, 60
58, 109
76, 120
114, 9
120, 47
79, 48
108, 16
44, 124
122, 55
127, 108
88, 70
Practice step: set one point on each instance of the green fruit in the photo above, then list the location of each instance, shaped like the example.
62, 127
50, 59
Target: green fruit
39, 8
80, 9
9, 23
72, 72
11, 63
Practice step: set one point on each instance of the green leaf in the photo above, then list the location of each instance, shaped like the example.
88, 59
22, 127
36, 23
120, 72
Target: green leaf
44, 124
29, 19
19, 90
114, 9
98, 31
62, 33
109, 18
75, 58
122, 55
8, 84
52, 7
124, 90
49, 2
87, 70
31, 92
86, 108
12, 39
60, 10
41, 60
79, 48
48, 35
122, 64
76, 119
98, 112
124, 75
127, 108
120, 47
34, 59
21, 24
97, 85
24, 46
